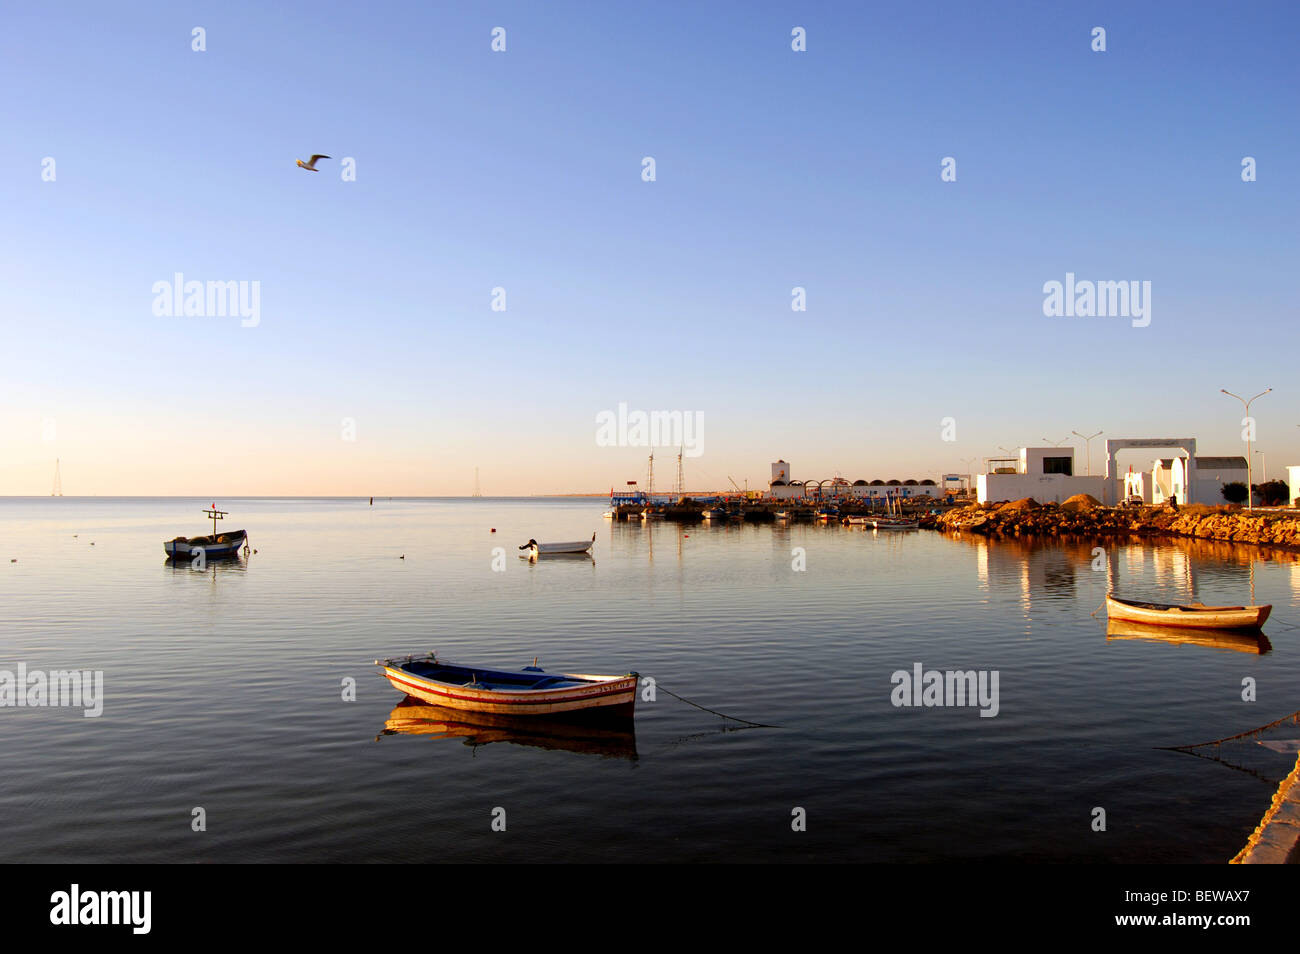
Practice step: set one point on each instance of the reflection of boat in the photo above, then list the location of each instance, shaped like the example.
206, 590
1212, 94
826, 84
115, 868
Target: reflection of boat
1241, 641
214, 546
1195, 615
536, 549
528, 692
610, 738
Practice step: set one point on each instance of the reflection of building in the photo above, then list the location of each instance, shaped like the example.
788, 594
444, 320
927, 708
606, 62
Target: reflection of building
1044, 473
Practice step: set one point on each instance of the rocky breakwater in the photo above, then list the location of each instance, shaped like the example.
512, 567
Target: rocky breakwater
1082, 515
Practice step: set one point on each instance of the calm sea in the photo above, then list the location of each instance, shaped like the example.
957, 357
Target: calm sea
224, 690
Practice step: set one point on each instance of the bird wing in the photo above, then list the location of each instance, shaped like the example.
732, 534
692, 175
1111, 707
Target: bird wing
312, 160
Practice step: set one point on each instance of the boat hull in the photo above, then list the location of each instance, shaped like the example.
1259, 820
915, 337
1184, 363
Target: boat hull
1194, 616
609, 695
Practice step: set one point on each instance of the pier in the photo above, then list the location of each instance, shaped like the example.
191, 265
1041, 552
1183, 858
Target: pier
1277, 837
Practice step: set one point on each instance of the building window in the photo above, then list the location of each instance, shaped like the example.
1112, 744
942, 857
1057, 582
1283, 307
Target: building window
1058, 465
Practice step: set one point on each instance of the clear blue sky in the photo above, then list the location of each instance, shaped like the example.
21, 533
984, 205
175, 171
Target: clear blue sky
522, 169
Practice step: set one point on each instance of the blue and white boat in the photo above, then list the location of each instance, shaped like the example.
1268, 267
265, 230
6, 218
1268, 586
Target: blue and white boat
528, 692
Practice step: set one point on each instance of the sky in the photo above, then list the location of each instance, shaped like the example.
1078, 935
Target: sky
377, 365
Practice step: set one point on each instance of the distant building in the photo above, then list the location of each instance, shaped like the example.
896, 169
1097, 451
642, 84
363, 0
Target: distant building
1293, 481
1045, 474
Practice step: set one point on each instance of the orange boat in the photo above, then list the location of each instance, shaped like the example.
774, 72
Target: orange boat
1191, 615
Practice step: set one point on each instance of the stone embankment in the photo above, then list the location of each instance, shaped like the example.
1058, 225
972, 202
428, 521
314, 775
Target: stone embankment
1083, 516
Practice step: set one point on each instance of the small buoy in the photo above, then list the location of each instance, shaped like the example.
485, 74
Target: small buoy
92, 543
254, 551
494, 529
402, 557
13, 561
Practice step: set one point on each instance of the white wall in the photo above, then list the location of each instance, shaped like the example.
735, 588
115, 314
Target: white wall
1293, 478
1044, 488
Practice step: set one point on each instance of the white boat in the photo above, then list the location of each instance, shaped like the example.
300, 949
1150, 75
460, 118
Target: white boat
536, 549
714, 513
895, 523
609, 515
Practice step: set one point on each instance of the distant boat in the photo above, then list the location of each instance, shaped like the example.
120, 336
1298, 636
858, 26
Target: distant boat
214, 546
1193, 615
859, 521
528, 692
895, 523
783, 515
714, 513
609, 515
536, 549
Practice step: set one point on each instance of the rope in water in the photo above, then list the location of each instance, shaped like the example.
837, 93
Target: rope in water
1293, 717
757, 725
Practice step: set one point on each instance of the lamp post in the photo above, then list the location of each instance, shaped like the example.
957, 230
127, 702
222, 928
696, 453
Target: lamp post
1250, 431
1088, 441
1056, 443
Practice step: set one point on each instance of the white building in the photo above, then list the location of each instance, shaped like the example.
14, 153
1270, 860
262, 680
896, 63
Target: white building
1293, 481
1044, 473
1211, 473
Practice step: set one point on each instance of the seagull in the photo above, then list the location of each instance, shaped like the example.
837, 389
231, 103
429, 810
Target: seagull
310, 164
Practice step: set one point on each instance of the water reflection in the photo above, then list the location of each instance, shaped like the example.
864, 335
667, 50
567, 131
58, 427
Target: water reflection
608, 737
1228, 640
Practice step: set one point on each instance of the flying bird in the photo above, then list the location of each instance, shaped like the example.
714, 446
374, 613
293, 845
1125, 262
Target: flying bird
310, 164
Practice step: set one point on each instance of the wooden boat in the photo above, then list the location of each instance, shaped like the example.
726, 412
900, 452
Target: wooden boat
1236, 640
214, 546
613, 737
529, 692
1192, 615
858, 521
536, 549
895, 523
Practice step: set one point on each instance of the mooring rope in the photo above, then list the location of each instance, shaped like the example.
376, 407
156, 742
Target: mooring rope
1293, 717
757, 725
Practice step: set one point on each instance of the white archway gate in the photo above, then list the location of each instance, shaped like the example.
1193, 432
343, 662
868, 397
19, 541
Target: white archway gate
1114, 446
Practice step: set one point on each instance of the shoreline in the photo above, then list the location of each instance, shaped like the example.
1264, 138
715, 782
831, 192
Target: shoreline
1275, 529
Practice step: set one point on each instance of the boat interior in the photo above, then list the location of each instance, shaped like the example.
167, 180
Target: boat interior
491, 678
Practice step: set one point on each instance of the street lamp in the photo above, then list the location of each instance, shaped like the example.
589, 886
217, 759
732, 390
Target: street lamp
1250, 430
1056, 443
1088, 440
